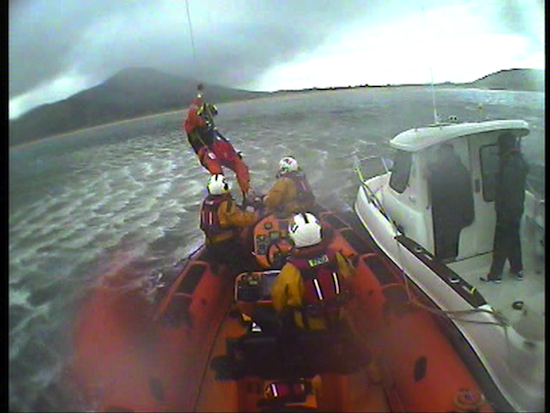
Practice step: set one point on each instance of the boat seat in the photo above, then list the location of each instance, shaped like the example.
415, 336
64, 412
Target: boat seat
290, 354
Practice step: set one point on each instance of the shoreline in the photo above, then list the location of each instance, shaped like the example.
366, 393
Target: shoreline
103, 125
270, 95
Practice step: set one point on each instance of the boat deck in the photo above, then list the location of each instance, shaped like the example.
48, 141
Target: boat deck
357, 392
501, 296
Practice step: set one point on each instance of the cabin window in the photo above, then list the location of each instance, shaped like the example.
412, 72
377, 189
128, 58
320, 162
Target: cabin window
401, 171
489, 169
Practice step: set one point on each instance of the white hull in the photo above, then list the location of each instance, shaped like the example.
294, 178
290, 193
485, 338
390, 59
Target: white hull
514, 362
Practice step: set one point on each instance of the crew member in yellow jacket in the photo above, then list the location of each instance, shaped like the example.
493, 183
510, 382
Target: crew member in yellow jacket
314, 283
291, 192
222, 222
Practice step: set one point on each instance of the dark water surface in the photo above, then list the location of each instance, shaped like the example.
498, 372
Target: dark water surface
80, 202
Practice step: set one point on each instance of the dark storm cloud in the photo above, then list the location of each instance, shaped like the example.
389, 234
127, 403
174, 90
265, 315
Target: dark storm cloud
226, 56
42, 35
236, 41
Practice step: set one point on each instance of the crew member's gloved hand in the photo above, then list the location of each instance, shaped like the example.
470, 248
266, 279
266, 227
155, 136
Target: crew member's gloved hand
255, 199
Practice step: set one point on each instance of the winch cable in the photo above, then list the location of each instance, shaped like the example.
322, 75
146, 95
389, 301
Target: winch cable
191, 33
436, 116
195, 63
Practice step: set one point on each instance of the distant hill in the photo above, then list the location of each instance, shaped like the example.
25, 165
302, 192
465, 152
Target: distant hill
129, 94
531, 80
138, 92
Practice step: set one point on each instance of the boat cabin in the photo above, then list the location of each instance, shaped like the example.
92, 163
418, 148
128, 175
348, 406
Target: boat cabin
409, 198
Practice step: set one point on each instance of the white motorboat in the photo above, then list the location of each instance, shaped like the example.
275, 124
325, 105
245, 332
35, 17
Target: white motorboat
502, 323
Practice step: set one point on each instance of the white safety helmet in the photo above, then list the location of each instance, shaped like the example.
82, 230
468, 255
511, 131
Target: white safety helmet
305, 230
217, 185
288, 164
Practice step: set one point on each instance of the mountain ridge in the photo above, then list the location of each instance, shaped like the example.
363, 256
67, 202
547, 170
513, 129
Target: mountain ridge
138, 91
130, 93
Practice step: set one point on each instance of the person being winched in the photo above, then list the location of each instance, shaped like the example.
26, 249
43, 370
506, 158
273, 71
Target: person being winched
222, 220
314, 283
212, 148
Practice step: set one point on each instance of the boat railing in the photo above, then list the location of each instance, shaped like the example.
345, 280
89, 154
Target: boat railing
371, 166
384, 167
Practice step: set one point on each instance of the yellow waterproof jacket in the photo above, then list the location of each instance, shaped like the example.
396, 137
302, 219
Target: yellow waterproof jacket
288, 290
283, 195
231, 217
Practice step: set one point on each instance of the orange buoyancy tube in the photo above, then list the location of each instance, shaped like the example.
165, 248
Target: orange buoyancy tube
421, 370
420, 366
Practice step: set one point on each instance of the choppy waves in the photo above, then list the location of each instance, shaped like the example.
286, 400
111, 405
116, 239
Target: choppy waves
79, 210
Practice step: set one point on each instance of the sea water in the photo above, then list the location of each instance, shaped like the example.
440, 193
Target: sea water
128, 195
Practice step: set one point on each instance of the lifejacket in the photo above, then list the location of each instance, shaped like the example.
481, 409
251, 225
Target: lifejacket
210, 221
304, 194
325, 290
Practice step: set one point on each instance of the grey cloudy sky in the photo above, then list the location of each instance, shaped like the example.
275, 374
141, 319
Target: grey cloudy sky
57, 48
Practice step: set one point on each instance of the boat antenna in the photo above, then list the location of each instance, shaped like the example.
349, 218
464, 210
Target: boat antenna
436, 117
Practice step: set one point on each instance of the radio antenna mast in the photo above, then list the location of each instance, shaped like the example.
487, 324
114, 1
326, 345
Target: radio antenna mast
436, 117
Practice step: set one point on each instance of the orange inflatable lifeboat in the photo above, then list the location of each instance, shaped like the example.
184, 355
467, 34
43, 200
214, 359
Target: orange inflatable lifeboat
196, 347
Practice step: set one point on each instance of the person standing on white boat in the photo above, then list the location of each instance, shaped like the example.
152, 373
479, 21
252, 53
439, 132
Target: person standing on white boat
451, 199
509, 204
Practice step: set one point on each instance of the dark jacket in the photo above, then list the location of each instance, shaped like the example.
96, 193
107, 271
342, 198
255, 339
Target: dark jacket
510, 186
451, 192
